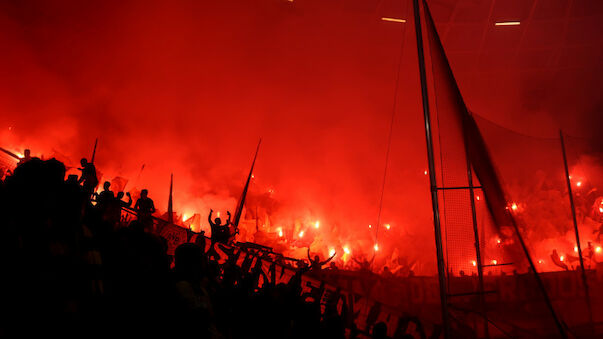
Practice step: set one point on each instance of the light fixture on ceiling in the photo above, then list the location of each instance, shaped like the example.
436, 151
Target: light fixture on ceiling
507, 23
393, 19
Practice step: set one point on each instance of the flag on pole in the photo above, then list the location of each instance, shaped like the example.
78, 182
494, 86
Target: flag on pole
241, 203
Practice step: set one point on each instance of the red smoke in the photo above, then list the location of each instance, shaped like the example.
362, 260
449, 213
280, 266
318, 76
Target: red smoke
188, 88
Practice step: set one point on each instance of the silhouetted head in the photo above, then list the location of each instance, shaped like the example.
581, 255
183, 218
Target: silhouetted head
27, 153
120, 195
218, 221
144, 193
106, 185
316, 258
84, 161
380, 330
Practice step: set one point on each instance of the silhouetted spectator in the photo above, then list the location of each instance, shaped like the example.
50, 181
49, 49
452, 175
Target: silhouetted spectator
105, 197
315, 264
144, 209
219, 233
26, 157
88, 178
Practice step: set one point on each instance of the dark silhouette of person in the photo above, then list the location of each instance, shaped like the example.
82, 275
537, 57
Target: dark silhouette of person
115, 206
315, 264
88, 179
26, 157
105, 197
219, 233
144, 209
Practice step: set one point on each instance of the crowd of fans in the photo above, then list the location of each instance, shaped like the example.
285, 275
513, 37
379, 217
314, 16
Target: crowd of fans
69, 269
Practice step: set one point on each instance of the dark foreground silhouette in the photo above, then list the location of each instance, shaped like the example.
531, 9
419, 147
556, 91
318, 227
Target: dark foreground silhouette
70, 270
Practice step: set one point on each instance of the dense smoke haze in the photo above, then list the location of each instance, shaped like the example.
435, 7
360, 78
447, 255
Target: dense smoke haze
189, 87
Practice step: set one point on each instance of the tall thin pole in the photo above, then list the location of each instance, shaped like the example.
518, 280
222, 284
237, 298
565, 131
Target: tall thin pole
478, 254
571, 199
94, 151
170, 201
432, 174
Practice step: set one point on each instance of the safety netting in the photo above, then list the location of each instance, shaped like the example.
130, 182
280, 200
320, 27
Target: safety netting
504, 205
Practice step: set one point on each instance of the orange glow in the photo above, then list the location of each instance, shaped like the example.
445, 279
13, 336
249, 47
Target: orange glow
474, 263
331, 252
541, 261
600, 209
218, 214
514, 207
494, 262
498, 241
387, 226
508, 23
376, 247
370, 226
425, 172
477, 197
280, 232
393, 19
184, 217
346, 250
598, 249
579, 183
317, 224
561, 258
576, 249
301, 234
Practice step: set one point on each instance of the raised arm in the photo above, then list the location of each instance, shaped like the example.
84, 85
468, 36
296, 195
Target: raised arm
330, 258
129, 203
209, 216
309, 254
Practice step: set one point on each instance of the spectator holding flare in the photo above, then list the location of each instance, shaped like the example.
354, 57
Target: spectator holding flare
219, 232
315, 264
144, 209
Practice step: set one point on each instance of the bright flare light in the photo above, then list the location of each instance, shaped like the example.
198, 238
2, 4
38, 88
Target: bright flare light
514, 207
508, 23
540, 261
388, 226
579, 183
561, 258
393, 19
280, 232
376, 247
331, 252
184, 217
370, 226
498, 241
346, 250
317, 224
301, 234
494, 262
474, 263
600, 209
576, 249
598, 249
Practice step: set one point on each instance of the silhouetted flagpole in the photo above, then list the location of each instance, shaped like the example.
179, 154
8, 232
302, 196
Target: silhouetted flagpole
432, 174
94, 151
170, 206
571, 199
241, 203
